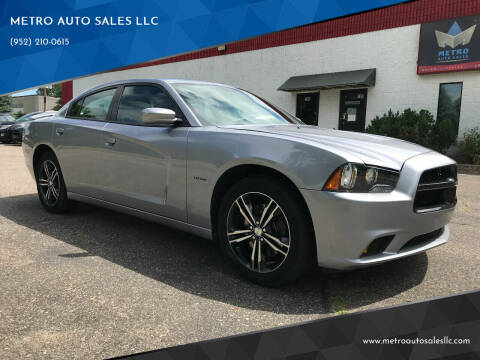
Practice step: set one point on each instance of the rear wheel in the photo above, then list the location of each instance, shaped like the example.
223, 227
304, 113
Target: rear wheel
265, 231
50, 185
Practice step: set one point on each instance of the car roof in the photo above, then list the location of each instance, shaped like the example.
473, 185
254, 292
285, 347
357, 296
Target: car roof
151, 80
183, 81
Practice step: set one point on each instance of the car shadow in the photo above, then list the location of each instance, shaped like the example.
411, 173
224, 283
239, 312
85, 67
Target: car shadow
11, 144
195, 265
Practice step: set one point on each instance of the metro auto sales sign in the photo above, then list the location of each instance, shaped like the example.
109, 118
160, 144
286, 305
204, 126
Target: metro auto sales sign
450, 45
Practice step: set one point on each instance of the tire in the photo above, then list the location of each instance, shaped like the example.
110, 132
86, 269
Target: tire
289, 230
50, 184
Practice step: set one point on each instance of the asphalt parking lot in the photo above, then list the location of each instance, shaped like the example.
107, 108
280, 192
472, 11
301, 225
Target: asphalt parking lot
96, 284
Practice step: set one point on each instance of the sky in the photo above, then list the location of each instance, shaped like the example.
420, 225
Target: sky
26, 92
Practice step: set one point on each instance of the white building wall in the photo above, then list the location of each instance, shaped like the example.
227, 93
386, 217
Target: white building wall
392, 52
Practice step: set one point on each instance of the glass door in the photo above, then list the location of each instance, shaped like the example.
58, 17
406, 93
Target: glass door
353, 108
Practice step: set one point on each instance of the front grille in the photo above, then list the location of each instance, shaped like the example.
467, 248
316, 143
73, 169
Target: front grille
422, 240
437, 189
438, 175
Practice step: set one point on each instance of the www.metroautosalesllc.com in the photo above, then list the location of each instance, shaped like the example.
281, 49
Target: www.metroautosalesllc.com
445, 340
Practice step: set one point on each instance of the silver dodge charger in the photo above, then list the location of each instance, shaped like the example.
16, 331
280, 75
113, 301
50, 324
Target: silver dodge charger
279, 196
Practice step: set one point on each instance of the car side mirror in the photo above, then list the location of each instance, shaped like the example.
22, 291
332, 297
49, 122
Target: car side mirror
159, 116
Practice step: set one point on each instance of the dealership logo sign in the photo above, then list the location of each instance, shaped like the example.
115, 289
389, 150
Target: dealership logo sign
449, 45
453, 39
455, 36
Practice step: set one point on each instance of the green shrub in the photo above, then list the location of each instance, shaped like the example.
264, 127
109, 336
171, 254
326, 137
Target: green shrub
468, 150
18, 114
443, 135
417, 127
5, 104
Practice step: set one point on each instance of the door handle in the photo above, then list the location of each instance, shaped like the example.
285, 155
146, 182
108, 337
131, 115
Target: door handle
59, 131
110, 141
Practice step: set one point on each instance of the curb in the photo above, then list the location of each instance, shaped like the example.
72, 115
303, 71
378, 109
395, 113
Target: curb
468, 169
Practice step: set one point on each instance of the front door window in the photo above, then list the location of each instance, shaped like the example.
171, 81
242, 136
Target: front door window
135, 98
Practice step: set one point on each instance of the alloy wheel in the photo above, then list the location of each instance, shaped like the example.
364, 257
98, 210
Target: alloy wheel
258, 232
49, 182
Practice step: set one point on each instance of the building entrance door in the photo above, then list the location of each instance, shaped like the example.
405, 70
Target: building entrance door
307, 108
353, 108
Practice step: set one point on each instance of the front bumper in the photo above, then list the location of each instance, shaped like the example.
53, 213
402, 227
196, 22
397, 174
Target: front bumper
4, 136
346, 224
16, 135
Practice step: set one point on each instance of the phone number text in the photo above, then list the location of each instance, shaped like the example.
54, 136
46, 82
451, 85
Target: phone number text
27, 41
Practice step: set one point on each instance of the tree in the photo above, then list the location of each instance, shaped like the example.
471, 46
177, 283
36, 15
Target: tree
55, 91
18, 114
5, 104
58, 105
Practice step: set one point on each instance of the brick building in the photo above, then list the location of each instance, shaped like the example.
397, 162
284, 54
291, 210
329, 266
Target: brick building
343, 72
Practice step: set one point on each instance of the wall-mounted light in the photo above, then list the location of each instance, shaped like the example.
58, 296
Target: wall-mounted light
222, 48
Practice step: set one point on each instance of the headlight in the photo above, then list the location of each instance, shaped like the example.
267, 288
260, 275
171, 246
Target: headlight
348, 177
362, 179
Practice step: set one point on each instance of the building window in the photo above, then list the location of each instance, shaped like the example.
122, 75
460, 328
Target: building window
450, 103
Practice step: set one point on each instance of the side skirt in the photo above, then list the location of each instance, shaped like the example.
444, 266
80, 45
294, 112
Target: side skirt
177, 224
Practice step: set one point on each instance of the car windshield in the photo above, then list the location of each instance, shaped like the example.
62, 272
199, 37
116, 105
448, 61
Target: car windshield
6, 118
221, 106
25, 117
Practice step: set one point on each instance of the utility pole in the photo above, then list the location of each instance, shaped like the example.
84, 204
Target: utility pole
45, 99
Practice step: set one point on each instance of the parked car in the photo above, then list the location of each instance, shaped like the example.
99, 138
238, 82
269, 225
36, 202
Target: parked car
14, 132
279, 196
5, 121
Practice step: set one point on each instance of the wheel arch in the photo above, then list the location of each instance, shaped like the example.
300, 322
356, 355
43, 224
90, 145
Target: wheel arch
39, 151
238, 172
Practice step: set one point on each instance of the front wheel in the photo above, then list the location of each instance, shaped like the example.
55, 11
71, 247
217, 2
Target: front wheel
50, 185
264, 229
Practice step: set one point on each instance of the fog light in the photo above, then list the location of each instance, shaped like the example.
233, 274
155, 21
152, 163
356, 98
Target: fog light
377, 246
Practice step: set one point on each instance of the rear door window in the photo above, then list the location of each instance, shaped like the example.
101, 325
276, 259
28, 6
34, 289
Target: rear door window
75, 108
93, 107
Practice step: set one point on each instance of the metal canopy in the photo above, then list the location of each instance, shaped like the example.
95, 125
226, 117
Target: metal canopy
353, 78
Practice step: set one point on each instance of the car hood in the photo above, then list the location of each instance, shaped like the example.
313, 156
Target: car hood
17, 126
4, 126
371, 149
